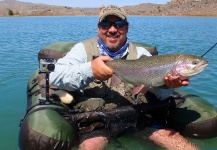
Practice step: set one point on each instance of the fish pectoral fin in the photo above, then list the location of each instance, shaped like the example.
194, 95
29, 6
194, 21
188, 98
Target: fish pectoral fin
139, 89
115, 80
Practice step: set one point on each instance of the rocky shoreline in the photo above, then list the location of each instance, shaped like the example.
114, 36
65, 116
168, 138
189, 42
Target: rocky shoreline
172, 8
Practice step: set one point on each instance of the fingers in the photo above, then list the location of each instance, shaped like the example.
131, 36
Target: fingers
100, 70
175, 82
185, 82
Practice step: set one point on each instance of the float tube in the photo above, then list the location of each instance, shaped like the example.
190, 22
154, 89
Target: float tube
44, 127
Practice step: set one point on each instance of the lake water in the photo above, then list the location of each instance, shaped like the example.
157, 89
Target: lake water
22, 37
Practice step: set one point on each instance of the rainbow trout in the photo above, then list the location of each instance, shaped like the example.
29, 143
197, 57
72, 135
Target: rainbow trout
148, 72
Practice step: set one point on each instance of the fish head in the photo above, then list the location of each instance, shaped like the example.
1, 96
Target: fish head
190, 65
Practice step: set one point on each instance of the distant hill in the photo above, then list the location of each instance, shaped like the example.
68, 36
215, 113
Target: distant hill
189, 8
172, 8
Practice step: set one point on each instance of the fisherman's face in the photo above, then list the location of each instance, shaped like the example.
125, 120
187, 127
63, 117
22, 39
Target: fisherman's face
113, 37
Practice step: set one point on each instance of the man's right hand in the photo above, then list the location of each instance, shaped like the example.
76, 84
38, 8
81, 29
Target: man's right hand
100, 70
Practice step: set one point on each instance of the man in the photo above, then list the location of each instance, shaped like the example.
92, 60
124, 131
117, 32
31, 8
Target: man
83, 70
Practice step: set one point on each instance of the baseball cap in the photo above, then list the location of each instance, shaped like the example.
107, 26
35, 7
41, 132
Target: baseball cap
112, 10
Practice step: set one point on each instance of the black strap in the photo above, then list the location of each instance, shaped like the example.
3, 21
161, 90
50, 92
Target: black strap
34, 85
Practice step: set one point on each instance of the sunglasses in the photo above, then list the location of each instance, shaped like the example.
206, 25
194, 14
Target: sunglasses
117, 24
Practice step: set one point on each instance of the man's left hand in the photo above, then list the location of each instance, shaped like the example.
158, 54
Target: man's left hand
172, 82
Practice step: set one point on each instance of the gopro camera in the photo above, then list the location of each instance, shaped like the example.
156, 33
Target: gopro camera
47, 65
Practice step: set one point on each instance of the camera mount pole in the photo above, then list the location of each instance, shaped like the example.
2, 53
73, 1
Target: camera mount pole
47, 87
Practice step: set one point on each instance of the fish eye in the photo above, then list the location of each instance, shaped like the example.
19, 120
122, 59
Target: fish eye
196, 61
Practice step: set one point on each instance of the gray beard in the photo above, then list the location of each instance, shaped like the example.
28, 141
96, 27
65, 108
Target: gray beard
113, 48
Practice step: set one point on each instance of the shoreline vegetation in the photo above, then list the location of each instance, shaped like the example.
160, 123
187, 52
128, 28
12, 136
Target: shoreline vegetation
172, 8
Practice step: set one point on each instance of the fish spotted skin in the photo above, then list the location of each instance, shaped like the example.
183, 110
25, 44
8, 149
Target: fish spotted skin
151, 71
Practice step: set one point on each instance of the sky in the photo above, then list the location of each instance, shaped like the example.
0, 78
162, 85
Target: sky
94, 3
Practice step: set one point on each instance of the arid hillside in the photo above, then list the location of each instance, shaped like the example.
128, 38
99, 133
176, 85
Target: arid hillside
172, 8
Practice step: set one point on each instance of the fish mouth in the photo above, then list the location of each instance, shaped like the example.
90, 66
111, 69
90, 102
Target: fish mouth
199, 68
202, 66
194, 71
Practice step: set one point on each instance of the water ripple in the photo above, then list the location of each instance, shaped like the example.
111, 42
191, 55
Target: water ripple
22, 37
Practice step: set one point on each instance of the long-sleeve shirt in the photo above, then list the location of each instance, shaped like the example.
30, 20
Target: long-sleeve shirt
74, 72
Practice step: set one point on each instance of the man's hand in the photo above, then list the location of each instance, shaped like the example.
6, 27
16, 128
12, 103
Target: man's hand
100, 70
175, 82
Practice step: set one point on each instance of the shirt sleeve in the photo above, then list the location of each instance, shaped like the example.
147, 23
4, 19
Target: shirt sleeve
161, 93
142, 51
72, 71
